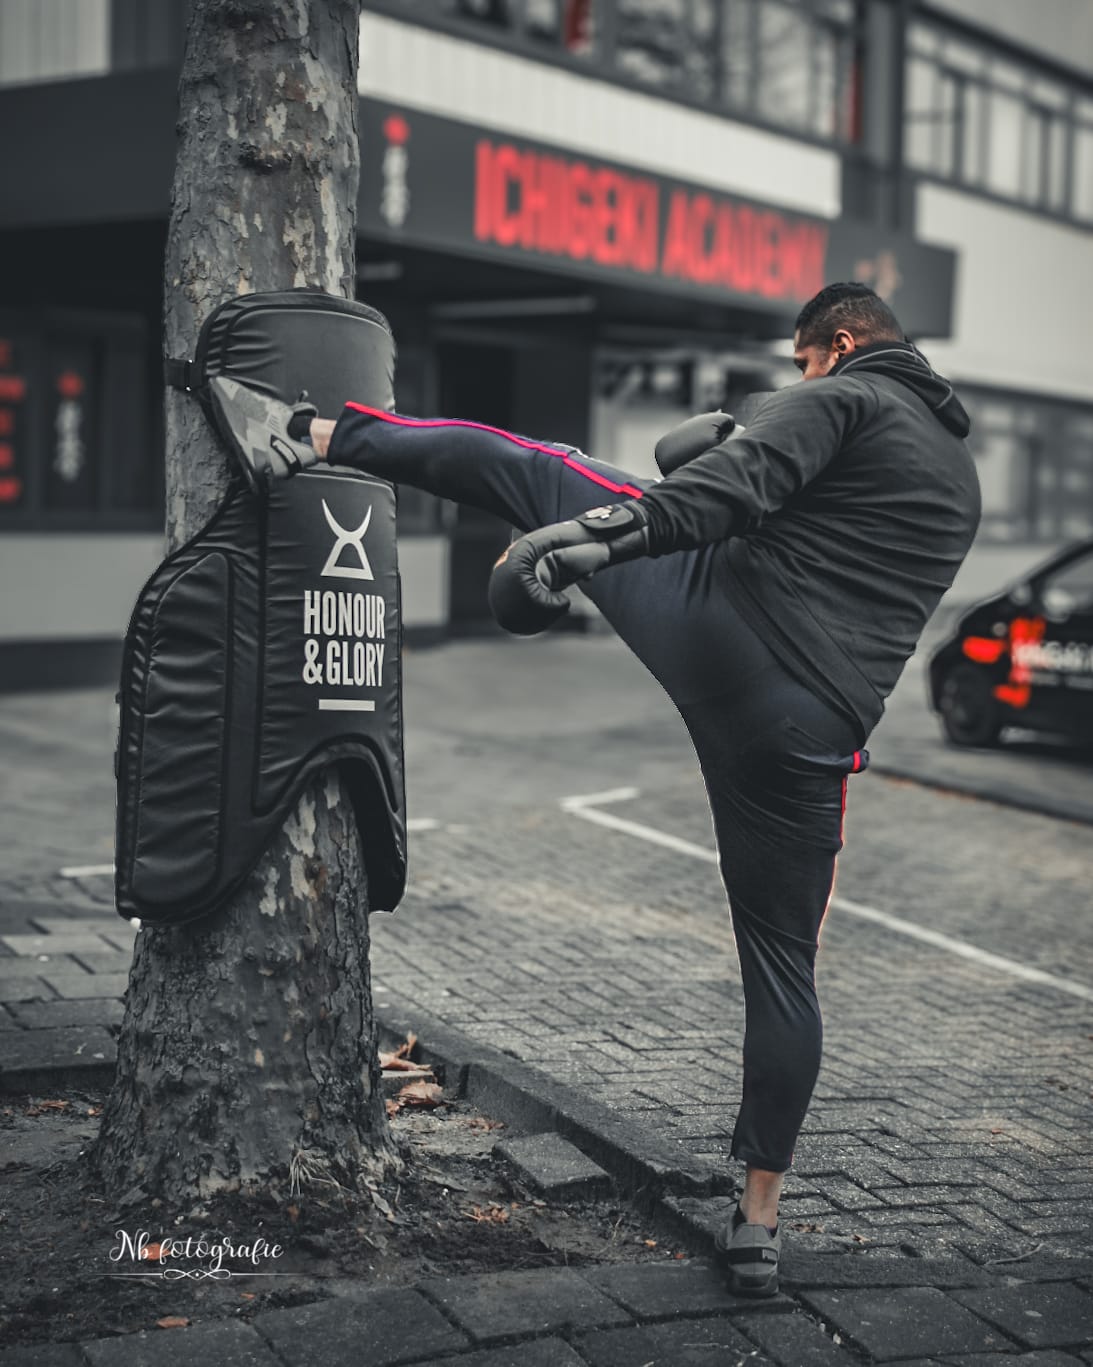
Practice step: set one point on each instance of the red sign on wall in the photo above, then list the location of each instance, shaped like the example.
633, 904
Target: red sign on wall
560, 206
438, 183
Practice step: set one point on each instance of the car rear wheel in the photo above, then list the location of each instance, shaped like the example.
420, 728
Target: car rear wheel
969, 711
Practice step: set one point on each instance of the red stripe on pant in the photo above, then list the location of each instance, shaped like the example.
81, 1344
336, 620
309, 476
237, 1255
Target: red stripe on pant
566, 456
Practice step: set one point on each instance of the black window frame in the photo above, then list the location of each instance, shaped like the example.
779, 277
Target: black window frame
948, 163
599, 62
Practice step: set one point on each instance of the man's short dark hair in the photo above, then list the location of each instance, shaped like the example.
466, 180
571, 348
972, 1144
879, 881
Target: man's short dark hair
851, 305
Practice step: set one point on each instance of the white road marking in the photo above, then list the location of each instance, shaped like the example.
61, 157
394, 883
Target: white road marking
587, 806
422, 823
88, 871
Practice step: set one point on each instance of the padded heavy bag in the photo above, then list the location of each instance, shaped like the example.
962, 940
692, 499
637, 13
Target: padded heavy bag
267, 647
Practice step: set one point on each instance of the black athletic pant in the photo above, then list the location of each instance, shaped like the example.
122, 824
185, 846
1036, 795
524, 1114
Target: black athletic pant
774, 757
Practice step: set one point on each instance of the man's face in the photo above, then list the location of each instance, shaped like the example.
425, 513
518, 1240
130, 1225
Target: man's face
816, 361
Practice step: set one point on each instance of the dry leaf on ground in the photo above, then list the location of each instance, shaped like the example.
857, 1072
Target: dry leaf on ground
172, 1322
421, 1094
494, 1214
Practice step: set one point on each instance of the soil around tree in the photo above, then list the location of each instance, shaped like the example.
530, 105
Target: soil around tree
67, 1272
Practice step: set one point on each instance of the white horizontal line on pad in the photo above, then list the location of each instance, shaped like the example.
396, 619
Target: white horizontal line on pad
346, 705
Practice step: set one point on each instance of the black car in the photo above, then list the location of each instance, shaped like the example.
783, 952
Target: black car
1023, 658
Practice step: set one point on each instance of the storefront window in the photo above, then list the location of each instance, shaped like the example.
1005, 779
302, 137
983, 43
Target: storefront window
75, 448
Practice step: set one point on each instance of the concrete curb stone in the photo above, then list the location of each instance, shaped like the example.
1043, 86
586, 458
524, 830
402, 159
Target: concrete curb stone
551, 1166
520, 1095
68, 1056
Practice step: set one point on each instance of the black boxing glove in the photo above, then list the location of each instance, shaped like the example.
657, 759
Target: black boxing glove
692, 438
525, 592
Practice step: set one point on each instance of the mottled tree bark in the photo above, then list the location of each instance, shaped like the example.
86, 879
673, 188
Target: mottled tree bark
247, 1055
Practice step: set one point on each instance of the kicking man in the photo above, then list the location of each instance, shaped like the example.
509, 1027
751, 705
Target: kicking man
775, 582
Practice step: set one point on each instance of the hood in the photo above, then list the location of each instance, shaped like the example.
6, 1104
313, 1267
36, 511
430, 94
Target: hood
904, 362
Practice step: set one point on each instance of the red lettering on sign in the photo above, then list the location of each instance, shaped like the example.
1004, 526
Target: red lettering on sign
506, 183
10, 489
7, 422
674, 261
5, 353
483, 190
710, 241
7, 456
13, 388
546, 203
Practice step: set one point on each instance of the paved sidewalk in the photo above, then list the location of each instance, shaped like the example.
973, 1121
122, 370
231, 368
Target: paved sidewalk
576, 976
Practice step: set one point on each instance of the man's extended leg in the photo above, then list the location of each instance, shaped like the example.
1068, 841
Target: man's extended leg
529, 483
663, 609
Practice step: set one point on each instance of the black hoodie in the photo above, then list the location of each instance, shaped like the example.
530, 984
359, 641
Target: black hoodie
851, 502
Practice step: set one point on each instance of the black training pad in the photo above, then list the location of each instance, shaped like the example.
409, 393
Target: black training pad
282, 342
223, 669
226, 663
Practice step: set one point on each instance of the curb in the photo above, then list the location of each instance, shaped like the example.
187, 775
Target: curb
1039, 804
518, 1094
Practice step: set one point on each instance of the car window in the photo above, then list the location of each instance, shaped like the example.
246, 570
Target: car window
1071, 588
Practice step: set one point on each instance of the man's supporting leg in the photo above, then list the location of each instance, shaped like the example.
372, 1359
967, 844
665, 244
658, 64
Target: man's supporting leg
776, 792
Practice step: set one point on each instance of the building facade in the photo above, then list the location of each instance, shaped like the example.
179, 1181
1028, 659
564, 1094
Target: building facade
585, 220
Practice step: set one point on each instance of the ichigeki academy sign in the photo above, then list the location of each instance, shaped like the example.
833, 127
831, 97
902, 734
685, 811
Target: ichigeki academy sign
267, 647
435, 182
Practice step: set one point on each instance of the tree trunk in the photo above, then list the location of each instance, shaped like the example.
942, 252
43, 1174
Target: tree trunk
247, 1055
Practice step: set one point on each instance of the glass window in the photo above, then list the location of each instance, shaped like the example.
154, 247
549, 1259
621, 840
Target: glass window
975, 133
784, 60
1082, 195
985, 121
666, 43
738, 74
1004, 158
921, 115
1035, 464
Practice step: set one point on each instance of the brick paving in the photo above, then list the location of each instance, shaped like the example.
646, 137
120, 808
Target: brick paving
941, 1200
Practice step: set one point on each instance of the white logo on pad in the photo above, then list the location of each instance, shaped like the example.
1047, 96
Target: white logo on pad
347, 540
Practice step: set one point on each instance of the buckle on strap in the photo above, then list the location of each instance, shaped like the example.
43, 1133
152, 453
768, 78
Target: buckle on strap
178, 373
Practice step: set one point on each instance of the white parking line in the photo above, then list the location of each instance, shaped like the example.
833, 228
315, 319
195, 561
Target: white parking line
88, 871
587, 807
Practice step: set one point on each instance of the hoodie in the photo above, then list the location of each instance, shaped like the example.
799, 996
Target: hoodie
848, 505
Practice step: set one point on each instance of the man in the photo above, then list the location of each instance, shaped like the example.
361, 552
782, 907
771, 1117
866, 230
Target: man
775, 582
